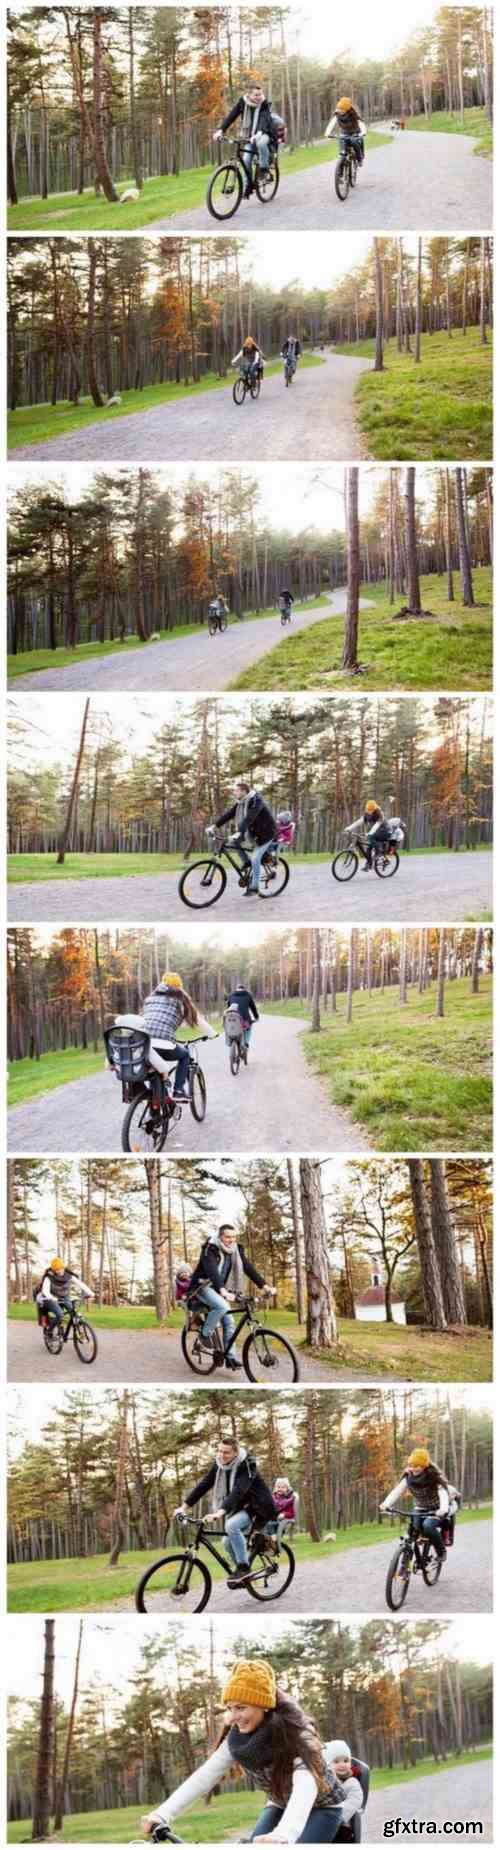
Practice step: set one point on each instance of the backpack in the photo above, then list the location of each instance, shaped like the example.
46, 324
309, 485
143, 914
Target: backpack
233, 1023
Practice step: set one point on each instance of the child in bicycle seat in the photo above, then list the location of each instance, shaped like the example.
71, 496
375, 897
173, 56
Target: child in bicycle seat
58, 1286
168, 1006
338, 1758
260, 126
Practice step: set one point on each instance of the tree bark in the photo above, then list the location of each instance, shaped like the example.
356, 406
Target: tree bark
62, 1785
43, 1779
414, 602
431, 1281
65, 833
321, 1319
350, 653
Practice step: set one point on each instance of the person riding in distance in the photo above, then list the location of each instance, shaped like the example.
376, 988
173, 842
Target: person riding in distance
377, 831
253, 817
58, 1286
347, 123
291, 350
422, 1480
218, 606
164, 1010
270, 1739
259, 126
250, 356
242, 999
240, 1498
286, 598
220, 1275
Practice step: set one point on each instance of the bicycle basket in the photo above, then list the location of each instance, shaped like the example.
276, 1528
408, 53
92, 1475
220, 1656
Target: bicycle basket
233, 1024
128, 1052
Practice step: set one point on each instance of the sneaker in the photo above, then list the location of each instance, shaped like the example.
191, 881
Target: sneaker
180, 1098
206, 1342
252, 892
248, 190
366, 868
239, 1578
232, 1362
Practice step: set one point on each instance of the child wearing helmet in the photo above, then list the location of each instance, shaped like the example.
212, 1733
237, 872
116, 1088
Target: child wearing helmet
423, 1481
58, 1286
164, 1011
346, 123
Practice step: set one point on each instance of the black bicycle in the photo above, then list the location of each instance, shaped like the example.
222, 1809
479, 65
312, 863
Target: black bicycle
152, 1109
285, 611
216, 623
346, 170
289, 370
204, 881
384, 860
56, 1334
415, 1554
249, 381
267, 1356
226, 188
184, 1578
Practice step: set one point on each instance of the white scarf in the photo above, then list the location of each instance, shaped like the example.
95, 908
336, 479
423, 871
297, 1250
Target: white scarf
225, 1479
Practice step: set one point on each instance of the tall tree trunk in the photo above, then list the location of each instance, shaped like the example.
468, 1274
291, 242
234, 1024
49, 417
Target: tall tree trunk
93, 258
102, 170
449, 537
418, 303
60, 1802
441, 975
43, 1778
463, 542
379, 302
316, 980
414, 603
121, 1467
445, 1243
321, 1319
476, 959
136, 146
431, 1281
65, 832
297, 1242
350, 652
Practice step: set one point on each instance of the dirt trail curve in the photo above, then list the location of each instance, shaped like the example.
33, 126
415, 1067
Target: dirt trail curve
415, 179
128, 1355
198, 663
274, 1104
314, 421
446, 888
355, 1581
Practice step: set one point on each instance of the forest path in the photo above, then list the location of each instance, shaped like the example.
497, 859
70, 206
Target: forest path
314, 421
450, 1797
198, 663
449, 888
415, 179
130, 1355
274, 1104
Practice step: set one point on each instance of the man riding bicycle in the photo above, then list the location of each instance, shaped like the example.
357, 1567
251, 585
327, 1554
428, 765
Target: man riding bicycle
241, 1497
348, 125
286, 599
250, 358
422, 1480
219, 1276
218, 607
57, 1287
259, 129
254, 819
291, 351
378, 832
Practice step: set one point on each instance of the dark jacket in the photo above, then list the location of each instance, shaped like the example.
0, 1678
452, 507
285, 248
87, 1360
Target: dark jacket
259, 822
264, 124
243, 1000
250, 1491
424, 1486
214, 1267
294, 344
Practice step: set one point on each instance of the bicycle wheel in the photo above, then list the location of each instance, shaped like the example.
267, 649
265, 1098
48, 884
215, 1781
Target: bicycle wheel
85, 1340
174, 1581
197, 1092
143, 1128
223, 624
431, 1564
255, 388
342, 179
266, 184
267, 1356
225, 191
386, 865
345, 864
202, 884
353, 170
53, 1340
271, 883
276, 1572
398, 1578
235, 1057
239, 391
200, 1361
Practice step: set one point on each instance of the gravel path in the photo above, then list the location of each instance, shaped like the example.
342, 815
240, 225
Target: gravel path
198, 663
354, 1582
459, 1795
314, 420
447, 888
413, 180
125, 1355
274, 1104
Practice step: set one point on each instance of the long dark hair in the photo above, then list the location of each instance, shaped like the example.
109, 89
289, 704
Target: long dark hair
293, 1737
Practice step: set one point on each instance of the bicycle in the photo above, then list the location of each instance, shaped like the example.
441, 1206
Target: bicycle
228, 183
346, 169
415, 1554
204, 881
385, 859
237, 1042
56, 1334
285, 611
151, 1109
265, 1353
216, 623
248, 381
289, 370
186, 1577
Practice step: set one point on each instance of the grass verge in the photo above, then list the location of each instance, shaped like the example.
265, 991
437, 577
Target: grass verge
33, 660
437, 410
39, 868
43, 423
454, 651
408, 1352
445, 122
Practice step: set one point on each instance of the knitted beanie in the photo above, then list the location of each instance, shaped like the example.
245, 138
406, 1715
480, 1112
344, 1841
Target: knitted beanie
252, 1682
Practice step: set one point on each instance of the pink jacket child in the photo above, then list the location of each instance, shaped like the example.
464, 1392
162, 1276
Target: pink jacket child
286, 1499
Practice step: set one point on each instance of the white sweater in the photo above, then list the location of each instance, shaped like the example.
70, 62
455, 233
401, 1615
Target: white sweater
302, 1797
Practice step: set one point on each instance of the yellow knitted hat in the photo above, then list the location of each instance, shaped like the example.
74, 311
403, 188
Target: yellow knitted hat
251, 1682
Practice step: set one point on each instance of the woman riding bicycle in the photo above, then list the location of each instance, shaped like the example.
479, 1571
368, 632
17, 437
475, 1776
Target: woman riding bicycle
241, 1499
423, 1481
267, 1737
250, 358
219, 1276
57, 1288
348, 125
259, 129
377, 831
168, 1006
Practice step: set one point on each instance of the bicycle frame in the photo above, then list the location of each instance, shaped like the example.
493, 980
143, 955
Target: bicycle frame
246, 1316
411, 1537
203, 1537
70, 1317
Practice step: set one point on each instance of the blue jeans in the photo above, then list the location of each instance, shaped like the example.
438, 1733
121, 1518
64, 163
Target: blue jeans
257, 857
217, 1313
431, 1528
57, 1307
236, 1528
259, 144
322, 1826
182, 1056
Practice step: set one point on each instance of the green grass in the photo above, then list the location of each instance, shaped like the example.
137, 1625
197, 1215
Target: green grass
43, 423
410, 1352
143, 1317
440, 409
227, 1811
443, 122
38, 868
160, 198
455, 651
79, 1585
31, 1078
32, 660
